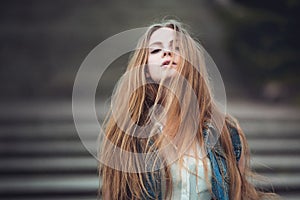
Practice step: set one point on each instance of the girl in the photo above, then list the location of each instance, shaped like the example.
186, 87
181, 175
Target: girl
165, 136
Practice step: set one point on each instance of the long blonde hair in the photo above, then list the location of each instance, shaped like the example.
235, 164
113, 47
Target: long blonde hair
130, 130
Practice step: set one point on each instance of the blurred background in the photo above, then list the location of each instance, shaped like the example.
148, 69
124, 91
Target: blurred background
254, 43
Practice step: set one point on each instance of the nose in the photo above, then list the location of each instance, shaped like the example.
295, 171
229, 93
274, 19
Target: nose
167, 52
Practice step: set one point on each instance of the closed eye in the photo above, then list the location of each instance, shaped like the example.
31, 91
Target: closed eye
155, 51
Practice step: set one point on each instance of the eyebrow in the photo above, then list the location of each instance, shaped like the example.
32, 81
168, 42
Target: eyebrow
155, 43
160, 43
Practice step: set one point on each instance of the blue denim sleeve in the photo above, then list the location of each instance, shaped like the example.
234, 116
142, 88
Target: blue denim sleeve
152, 180
236, 142
153, 186
220, 180
219, 186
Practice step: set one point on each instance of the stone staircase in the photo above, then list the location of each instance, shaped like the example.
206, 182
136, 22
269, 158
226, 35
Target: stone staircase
42, 156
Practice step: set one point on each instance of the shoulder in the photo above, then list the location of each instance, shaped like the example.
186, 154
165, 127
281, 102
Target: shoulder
234, 136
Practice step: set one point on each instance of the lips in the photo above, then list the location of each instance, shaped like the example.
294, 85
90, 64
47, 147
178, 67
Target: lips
167, 62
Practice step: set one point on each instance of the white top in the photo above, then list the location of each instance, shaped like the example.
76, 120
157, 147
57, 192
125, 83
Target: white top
184, 182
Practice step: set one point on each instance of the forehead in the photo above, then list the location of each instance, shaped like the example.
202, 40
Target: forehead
163, 35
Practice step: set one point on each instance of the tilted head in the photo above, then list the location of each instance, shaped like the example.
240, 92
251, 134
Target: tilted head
165, 85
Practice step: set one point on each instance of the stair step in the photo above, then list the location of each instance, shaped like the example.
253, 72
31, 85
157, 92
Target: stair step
49, 185
38, 164
76, 147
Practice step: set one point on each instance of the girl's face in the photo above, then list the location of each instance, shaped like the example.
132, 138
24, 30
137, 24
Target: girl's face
161, 53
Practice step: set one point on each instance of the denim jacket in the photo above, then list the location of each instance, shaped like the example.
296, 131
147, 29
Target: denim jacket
220, 185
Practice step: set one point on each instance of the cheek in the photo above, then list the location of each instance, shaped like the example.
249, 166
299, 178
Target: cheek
177, 57
150, 59
153, 59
